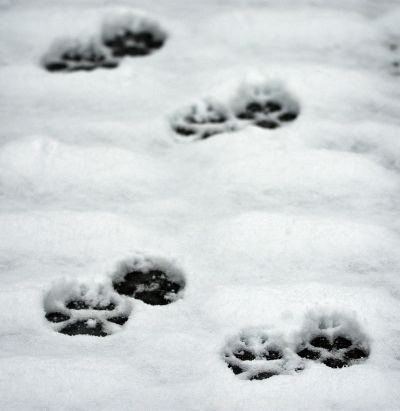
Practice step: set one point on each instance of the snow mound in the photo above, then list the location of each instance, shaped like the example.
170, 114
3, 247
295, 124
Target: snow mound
258, 354
75, 308
332, 338
153, 280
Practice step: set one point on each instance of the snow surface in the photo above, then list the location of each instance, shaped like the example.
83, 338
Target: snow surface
269, 227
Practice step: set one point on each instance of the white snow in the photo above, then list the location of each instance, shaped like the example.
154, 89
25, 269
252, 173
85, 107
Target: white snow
270, 228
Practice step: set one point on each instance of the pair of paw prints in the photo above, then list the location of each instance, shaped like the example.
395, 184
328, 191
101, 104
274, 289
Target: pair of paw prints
120, 36
75, 308
335, 341
267, 105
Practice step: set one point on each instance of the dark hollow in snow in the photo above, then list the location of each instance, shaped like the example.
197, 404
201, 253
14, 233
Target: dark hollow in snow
153, 287
256, 356
120, 320
244, 355
77, 305
321, 342
334, 362
84, 311
335, 352
203, 120
132, 35
131, 43
263, 375
269, 113
309, 354
83, 328
75, 55
235, 369
57, 317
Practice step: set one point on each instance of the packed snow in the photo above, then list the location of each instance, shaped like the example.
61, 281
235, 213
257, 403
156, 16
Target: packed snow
200, 205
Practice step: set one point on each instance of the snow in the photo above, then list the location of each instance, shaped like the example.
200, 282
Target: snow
270, 231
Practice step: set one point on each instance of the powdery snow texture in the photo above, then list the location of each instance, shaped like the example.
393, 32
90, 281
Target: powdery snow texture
201, 211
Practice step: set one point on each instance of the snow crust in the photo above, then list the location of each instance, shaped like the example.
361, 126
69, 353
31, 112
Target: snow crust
270, 228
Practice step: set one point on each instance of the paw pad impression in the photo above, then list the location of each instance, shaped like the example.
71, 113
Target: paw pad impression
202, 120
130, 35
266, 105
75, 308
334, 340
73, 54
258, 354
153, 280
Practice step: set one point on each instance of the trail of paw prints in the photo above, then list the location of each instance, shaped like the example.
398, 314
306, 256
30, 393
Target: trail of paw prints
74, 308
335, 340
267, 105
153, 280
257, 354
120, 36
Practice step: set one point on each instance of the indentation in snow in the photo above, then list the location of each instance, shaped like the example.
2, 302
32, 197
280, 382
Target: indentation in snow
266, 105
154, 280
75, 308
203, 119
258, 354
131, 35
334, 339
77, 54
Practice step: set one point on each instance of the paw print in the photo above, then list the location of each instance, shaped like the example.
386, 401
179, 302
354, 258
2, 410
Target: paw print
131, 35
153, 280
73, 55
265, 105
121, 35
334, 340
202, 120
73, 308
258, 354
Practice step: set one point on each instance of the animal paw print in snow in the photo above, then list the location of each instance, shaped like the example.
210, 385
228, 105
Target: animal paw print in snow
74, 54
121, 35
131, 35
153, 280
266, 105
334, 340
258, 355
79, 309
202, 120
